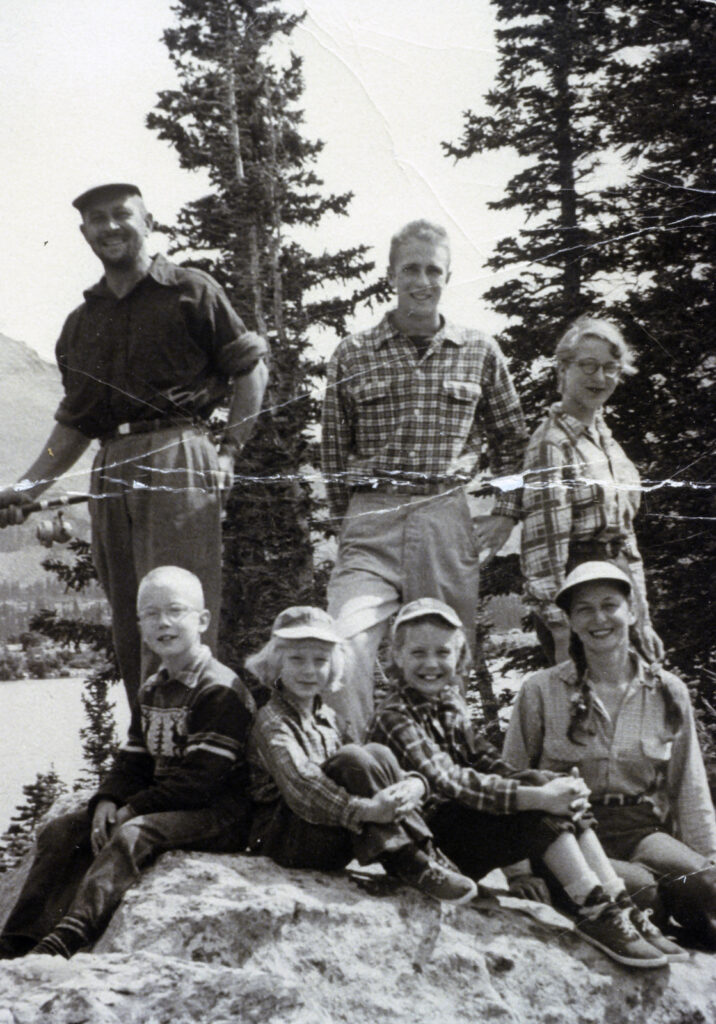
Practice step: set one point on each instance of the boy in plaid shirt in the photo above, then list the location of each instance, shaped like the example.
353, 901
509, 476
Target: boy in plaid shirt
407, 406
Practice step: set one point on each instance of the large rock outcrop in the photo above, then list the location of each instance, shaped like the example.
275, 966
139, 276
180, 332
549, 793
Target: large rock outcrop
206, 938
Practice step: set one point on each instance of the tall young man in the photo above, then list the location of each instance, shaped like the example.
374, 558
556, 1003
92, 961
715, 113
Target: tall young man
407, 405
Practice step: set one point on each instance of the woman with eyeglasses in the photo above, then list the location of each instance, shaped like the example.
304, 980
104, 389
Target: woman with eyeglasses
581, 491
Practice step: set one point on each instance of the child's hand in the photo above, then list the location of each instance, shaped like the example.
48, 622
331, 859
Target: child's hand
563, 796
411, 793
103, 823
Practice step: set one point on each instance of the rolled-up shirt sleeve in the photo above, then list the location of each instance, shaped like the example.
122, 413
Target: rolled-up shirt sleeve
688, 788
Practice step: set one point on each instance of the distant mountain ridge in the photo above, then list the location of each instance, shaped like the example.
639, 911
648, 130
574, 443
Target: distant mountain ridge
30, 391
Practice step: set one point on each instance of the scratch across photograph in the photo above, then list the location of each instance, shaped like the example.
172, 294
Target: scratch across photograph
356, 515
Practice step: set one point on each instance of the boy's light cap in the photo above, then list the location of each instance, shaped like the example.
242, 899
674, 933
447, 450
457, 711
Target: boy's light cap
304, 622
422, 608
588, 572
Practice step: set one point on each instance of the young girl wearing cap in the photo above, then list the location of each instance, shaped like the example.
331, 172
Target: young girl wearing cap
319, 803
628, 728
483, 812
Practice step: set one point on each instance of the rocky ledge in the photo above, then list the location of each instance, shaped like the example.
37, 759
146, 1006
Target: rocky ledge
206, 938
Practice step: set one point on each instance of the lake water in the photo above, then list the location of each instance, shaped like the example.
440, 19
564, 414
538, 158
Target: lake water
40, 722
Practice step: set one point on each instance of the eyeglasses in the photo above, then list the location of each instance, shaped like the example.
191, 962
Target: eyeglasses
590, 367
174, 613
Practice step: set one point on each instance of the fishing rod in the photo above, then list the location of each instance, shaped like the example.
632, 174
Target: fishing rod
57, 530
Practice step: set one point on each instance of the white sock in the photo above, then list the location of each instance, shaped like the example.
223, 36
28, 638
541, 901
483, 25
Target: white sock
582, 886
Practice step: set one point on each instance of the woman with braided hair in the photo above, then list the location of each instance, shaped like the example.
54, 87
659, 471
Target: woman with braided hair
627, 725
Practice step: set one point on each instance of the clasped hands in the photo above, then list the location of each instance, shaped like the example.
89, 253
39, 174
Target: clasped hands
395, 801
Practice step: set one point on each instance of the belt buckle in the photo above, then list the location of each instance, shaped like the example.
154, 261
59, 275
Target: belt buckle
123, 428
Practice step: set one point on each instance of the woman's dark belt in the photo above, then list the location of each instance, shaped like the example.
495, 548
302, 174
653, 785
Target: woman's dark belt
618, 800
147, 426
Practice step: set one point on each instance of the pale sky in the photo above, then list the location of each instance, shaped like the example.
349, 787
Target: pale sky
386, 83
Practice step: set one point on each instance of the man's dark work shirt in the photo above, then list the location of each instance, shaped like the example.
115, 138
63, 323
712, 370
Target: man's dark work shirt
166, 349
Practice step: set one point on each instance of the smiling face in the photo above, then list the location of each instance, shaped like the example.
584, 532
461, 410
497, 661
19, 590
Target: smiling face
427, 655
116, 228
306, 668
172, 619
600, 614
583, 394
419, 272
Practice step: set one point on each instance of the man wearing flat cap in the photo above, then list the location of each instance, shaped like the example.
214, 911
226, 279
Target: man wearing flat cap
145, 360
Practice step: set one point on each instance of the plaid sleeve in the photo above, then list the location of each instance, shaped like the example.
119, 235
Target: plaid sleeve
218, 729
505, 430
336, 438
303, 784
546, 528
418, 752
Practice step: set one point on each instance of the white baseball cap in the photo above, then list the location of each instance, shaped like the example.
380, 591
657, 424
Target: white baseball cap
305, 622
588, 572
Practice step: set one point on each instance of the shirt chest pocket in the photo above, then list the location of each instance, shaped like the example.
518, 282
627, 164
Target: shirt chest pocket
458, 400
376, 414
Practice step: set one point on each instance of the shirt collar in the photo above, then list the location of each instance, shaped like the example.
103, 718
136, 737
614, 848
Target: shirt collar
189, 676
284, 698
573, 427
160, 270
646, 675
386, 330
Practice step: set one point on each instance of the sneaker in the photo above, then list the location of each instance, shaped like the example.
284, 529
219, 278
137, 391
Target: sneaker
641, 919
440, 883
609, 927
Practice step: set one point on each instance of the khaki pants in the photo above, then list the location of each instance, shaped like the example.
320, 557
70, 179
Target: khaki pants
155, 502
392, 550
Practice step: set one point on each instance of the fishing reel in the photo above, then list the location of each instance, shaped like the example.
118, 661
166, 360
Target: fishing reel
54, 531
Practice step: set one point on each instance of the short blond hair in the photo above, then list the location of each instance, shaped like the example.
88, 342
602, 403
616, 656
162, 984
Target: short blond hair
585, 327
423, 231
185, 582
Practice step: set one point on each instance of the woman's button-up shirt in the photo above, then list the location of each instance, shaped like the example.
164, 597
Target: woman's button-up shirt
579, 485
637, 753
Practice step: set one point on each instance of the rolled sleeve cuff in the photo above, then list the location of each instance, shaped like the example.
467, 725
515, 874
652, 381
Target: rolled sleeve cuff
242, 354
507, 796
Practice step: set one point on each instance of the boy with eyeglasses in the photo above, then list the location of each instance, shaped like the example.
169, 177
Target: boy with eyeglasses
178, 782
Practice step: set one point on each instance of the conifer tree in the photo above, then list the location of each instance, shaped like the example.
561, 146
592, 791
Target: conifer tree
551, 52
578, 82
236, 116
39, 797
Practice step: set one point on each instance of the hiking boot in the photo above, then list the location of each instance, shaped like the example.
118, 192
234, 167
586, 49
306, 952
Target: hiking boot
609, 927
641, 919
439, 882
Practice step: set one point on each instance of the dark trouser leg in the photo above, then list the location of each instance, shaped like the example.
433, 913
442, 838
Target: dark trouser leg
62, 858
363, 771
133, 847
159, 504
478, 842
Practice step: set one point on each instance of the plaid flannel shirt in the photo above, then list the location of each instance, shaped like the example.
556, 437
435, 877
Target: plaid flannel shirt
636, 754
578, 485
435, 738
286, 750
392, 418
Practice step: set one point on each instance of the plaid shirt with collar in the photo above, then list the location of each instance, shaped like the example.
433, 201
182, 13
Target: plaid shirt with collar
435, 738
579, 486
392, 418
636, 754
287, 747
